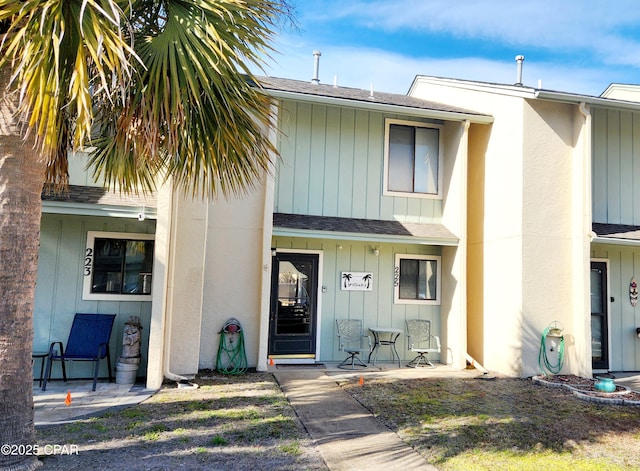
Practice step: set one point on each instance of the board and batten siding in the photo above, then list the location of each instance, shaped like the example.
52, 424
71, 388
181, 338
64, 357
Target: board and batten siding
624, 344
332, 159
375, 307
616, 200
616, 166
59, 289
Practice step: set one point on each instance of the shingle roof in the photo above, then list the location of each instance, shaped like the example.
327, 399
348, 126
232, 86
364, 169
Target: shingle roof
99, 195
362, 226
359, 95
616, 231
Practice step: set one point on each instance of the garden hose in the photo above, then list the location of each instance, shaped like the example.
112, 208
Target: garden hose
232, 359
543, 360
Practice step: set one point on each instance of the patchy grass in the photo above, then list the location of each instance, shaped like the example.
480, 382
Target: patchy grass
239, 422
503, 424
244, 422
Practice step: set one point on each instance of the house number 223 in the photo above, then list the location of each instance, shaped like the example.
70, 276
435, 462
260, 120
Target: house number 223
88, 261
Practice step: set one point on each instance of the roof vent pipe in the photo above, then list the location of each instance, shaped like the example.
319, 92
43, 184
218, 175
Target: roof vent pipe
519, 61
316, 67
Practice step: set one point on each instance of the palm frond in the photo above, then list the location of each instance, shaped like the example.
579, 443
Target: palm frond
58, 50
158, 87
194, 114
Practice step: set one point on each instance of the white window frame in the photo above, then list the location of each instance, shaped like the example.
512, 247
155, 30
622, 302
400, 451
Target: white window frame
396, 290
417, 124
87, 267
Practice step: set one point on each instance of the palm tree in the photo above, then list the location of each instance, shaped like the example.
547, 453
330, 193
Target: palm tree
347, 279
367, 279
156, 88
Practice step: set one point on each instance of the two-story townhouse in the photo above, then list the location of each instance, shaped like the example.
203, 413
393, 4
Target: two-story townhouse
365, 183
552, 228
521, 213
368, 186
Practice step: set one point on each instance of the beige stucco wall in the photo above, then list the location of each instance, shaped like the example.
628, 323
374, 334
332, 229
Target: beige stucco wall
233, 273
210, 258
157, 326
579, 357
478, 137
549, 267
502, 240
186, 284
454, 278
523, 212
494, 300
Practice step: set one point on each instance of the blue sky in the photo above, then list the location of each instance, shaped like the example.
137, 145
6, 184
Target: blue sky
578, 46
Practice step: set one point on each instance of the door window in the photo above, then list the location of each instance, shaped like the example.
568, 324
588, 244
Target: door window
294, 286
599, 305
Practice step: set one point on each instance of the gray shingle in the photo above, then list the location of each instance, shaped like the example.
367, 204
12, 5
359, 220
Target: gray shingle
98, 195
361, 226
355, 94
616, 231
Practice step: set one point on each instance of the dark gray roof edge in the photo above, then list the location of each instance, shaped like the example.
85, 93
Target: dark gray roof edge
358, 95
361, 226
616, 231
98, 195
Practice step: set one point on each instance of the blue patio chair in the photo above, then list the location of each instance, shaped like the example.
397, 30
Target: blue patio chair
88, 341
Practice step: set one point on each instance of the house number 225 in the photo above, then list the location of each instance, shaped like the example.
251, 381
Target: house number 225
88, 261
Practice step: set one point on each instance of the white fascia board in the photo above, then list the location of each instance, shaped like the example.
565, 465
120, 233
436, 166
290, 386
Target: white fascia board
285, 232
614, 241
589, 100
61, 207
382, 107
519, 91
527, 92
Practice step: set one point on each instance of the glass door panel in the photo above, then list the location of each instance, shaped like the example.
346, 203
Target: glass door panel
599, 321
292, 327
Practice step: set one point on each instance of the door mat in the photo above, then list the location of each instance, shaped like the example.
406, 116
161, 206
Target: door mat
301, 366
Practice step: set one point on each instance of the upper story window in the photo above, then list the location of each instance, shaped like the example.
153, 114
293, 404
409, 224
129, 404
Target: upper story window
413, 159
118, 266
417, 279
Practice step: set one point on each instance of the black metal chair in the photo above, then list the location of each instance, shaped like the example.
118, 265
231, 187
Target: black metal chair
421, 342
88, 341
352, 338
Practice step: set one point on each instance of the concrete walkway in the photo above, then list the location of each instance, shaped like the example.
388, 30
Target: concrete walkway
50, 407
347, 435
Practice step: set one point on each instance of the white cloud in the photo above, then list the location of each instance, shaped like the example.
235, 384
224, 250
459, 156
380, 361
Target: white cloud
592, 26
578, 46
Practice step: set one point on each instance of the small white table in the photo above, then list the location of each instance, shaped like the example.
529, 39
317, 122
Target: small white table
378, 339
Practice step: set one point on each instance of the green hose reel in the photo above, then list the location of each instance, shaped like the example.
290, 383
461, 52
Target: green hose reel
556, 332
232, 358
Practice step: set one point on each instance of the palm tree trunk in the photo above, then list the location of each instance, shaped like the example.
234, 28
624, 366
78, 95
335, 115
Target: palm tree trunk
21, 183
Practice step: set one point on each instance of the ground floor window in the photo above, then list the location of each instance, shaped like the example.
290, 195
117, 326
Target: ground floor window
417, 279
118, 266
